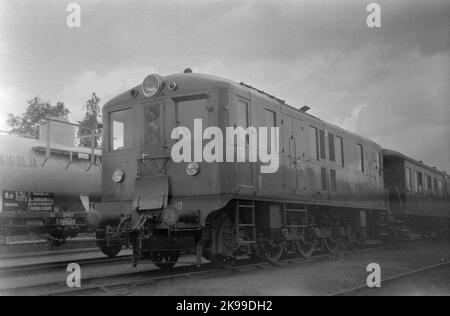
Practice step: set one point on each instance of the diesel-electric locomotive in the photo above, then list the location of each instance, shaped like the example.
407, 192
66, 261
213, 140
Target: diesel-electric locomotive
327, 191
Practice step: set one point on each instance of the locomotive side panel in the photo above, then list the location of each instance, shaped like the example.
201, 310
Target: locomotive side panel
319, 163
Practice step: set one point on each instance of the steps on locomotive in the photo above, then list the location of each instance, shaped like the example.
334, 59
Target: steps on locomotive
246, 222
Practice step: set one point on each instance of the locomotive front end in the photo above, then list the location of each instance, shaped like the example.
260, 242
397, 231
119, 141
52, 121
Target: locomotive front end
146, 193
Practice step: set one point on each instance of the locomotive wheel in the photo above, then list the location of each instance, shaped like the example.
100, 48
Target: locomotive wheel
304, 248
165, 259
331, 246
224, 232
111, 250
272, 251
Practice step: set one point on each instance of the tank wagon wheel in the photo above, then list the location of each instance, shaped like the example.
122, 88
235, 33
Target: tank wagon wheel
111, 250
165, 260
304, 249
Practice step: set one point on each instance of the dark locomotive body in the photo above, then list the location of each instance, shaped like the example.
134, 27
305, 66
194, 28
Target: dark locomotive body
418, 194
328, 187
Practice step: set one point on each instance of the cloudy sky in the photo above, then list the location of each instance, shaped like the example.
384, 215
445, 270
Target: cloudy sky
391, 84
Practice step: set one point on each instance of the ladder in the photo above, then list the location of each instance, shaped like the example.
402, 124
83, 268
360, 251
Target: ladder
245, 222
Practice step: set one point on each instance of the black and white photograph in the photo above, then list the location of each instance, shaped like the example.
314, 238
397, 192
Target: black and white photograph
225, 155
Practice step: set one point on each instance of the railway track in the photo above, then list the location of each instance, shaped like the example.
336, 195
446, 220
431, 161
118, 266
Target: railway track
359, 289
108, 284
11, 271
29, 249
111, 285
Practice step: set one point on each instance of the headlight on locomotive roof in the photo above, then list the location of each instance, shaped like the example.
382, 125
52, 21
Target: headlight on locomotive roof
118, 176
170, 216
152, 85
192, 169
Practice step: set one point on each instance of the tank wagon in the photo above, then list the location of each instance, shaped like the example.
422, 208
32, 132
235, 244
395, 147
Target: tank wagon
419, 194
47, 185
327, 190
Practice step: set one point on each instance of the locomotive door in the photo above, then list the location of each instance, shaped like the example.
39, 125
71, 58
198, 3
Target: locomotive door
240, 116
298, 155
290, 175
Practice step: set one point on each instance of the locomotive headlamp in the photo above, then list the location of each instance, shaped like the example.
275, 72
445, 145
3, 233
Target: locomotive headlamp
118, 176
170, 216
151, 85
192, 169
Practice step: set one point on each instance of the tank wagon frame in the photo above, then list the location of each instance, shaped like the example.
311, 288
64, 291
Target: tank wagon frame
47, 185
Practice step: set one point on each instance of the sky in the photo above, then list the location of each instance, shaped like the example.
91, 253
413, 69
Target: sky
391, 84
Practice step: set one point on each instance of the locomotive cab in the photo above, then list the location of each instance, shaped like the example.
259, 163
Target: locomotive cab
139, 176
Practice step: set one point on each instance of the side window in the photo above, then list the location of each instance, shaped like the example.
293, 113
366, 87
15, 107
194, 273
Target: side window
331, 146
408, 179
323, 154
339, 147
323, 172
419, 182
314, 140
333, 181
380, 163
271, 121
429, 187
446, 190
361, 157
441, 193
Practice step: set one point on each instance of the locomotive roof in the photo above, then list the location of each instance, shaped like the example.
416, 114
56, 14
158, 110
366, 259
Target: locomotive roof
207, 82
396, 154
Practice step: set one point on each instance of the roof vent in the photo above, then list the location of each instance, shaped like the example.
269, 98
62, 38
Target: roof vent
305, 108
188, 71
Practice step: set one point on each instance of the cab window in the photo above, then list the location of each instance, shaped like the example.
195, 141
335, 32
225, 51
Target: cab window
121, 125
153, 128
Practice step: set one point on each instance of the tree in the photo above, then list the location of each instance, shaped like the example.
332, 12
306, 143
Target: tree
35, 115
92, 119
